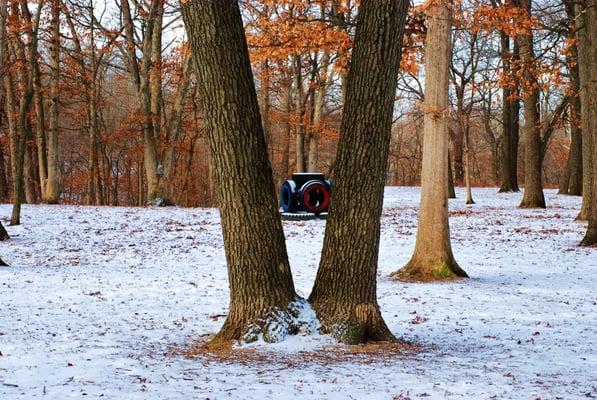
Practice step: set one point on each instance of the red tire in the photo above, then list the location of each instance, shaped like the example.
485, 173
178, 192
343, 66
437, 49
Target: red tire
315, 196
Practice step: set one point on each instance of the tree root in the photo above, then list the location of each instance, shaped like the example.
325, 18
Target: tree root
417, 270
353, 323
270, 326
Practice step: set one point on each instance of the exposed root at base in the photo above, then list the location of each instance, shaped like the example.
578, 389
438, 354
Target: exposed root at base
590, 239
353, 324
421, 271
271, 326
532, 204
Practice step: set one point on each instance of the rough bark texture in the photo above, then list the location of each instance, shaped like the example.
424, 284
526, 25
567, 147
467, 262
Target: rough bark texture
258, 270
508, 162
587, 48
300, 112
451, 191
571, 180
533, 186
344, 294
317, 112
433, 258
583, 42
467, 166
51, 193
3, 234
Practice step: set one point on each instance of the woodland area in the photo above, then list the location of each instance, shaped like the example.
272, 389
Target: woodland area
104, 104
459, 138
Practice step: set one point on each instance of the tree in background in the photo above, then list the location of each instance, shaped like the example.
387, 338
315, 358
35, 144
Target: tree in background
433, 258
571, 181
587, 57
533, 187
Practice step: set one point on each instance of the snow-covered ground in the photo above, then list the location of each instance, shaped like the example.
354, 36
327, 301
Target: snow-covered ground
96, 296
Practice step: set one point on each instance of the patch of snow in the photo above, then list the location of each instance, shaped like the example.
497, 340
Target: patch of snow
95, 297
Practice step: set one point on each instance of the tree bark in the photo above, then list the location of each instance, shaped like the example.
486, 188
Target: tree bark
318, 105
587, 49
433, 259
467, 165
451, 191
26, 78
533, 186
344, 295
299, 110
3, 234
52, 190
514, 129
585, 69
3, 50
258, 269
507, 125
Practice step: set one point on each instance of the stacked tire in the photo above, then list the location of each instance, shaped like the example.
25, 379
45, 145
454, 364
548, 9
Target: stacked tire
309, 192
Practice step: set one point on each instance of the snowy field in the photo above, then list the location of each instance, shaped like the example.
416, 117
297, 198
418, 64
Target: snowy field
96, 296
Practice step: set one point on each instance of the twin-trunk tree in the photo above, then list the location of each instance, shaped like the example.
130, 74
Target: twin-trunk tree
344, 295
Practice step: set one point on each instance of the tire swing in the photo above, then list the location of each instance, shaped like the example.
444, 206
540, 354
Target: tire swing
305, 196
314, 197
288, 199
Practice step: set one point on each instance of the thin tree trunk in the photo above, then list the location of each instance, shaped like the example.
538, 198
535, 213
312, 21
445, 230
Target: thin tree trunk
258, 269
451, 191
344, 295
565, 179
3, 54
319, 105
286, 144
433, 259
40, 119
515, 129
265, 104
27, 84
533, 186
29, 172
587, 50
52, 190
300, 112
467, 165
3, 234
3, 178
505, 162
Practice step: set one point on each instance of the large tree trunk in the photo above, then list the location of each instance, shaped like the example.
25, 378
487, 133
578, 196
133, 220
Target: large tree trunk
587, 49
433, 259
258, 270
533, 186
51, 194
344, 295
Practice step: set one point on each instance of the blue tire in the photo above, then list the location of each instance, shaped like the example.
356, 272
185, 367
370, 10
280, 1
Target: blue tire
288, 199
